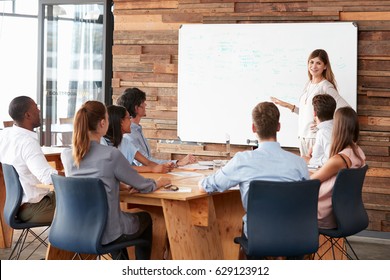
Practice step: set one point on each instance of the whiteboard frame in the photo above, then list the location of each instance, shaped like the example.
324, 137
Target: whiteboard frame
219, 79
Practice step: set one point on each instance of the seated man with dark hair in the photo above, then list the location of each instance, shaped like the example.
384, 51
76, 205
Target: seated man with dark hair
19, 147
268, 162
324, 107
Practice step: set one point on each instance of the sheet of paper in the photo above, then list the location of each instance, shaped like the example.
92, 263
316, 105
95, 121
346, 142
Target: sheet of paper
185, 174
313, 167
207, 163
195, 166
180, 190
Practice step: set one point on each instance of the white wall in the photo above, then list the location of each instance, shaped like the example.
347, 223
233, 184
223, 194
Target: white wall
18, 60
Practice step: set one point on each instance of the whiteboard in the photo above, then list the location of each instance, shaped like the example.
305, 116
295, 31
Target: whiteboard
224, 70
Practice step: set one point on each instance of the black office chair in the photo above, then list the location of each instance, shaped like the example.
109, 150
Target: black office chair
80, 218
281, 219
14, 193
348, 209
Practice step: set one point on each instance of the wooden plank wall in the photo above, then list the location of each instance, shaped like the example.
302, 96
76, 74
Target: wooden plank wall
145, 55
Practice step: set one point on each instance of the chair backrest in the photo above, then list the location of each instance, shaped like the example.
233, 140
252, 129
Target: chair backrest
66, 137
81, 214
347, 203
14, 193
8, 123
66, 120
282, 218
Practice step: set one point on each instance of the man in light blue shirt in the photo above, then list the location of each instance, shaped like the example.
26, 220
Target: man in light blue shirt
268, 162
133, 99
137, 138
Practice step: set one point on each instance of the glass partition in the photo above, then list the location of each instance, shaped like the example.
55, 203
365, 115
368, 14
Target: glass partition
72, 64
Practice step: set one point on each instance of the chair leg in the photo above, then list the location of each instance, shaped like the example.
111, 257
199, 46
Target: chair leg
84, 257
331, 243
350, 247
321, 246
77, 255
17, 247
119, 255
38, 238
343, 250
21, 243
334, 245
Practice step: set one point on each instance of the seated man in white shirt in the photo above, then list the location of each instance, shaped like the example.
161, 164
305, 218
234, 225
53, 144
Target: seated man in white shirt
268, 162
19, 147
324, 107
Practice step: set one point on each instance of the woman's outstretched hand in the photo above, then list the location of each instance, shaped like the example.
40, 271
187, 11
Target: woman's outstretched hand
282, 103
279, 102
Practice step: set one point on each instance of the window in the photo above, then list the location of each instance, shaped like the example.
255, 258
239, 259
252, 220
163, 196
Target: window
18, 51
72, 63
72, 54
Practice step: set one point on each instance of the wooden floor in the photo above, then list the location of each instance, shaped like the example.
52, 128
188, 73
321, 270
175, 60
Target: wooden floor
367, 248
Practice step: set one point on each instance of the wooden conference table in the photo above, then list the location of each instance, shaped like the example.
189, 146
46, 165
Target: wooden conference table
197, 225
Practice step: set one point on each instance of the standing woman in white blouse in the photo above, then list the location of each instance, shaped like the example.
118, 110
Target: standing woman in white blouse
321, 81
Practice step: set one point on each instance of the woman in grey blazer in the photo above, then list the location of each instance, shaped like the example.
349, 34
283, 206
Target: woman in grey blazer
88, 158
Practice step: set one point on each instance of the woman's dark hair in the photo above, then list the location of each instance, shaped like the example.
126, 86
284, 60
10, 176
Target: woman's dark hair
115, 115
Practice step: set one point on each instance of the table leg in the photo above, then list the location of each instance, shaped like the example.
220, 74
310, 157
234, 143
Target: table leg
160, 246
229, 213
188, 239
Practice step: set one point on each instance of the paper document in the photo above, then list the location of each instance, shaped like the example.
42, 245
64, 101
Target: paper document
180, 190
185, 174
207, 163
310, 166
195, 166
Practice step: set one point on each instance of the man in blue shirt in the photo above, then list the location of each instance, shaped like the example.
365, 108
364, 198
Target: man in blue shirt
268, 162
133, 99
